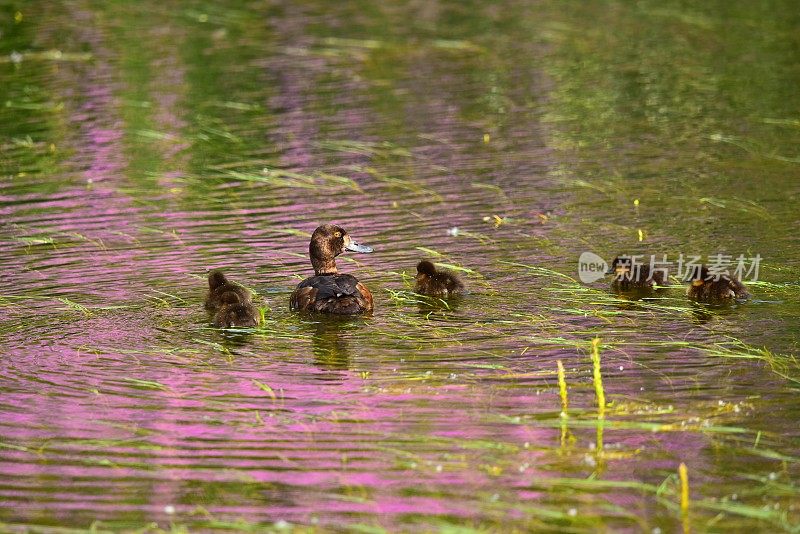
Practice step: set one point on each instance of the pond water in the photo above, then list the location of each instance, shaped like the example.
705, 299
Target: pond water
143, 143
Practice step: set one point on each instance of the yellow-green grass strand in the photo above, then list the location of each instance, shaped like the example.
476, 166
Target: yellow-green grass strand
598, 379
562, 389
683, 473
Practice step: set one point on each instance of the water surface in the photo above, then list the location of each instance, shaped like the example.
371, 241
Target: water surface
142, 144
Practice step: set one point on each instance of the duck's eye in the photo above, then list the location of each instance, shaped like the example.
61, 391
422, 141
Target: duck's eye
337, 234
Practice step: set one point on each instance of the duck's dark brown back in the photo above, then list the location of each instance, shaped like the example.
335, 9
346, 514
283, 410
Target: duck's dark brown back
340, 294
236, 315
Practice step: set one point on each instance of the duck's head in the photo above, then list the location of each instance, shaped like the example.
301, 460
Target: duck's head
327, 242
216, 279
426, 268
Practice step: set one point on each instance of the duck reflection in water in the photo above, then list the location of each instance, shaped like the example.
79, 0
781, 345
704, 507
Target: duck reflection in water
329, 342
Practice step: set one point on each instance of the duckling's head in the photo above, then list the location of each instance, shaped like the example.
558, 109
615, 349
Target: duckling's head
327, 242
698, 276
216, 279
426, 268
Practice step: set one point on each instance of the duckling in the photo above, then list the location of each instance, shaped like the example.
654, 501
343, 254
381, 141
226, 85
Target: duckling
233, 313
440, 284
639, 278
723, 290
328, 291
219, 286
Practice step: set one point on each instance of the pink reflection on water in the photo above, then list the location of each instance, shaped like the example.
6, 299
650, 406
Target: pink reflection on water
145, 402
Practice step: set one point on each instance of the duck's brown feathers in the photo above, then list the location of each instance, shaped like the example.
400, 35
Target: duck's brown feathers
636, 278
218, 289
236, 315
436, 282
704, 288
340, 294
231, 303
328, 291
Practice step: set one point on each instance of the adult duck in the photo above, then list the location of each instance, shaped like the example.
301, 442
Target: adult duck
328, 291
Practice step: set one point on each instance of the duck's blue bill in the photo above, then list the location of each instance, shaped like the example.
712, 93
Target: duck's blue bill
355, 247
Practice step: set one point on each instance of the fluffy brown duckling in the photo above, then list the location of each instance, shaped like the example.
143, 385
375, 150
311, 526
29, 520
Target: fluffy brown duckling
231, 303
722, 289
629, 276
328, 291
233, 313
436, 283
219, 286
